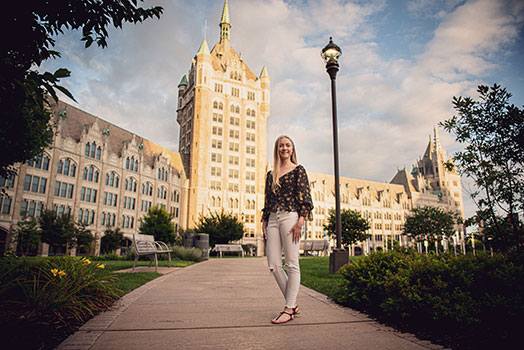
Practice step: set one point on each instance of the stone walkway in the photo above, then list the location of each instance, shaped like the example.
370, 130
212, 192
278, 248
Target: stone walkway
228, 304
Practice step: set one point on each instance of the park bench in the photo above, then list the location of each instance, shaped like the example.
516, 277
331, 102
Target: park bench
220, 248
314, 245
145, 245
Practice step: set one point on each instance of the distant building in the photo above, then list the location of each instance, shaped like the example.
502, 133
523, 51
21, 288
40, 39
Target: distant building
106, 176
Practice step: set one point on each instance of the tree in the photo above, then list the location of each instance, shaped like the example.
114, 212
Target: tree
63, 232
28, 236
112, 240
158, 223
429, 221
353, 229
222, 227
57, 231
24, 106
492, 132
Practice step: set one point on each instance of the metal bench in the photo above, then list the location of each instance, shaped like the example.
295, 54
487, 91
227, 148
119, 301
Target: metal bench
145, 245
314, 245
220, 248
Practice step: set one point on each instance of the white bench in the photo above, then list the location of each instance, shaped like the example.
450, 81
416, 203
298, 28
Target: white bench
314, 245
145, 245
229, 248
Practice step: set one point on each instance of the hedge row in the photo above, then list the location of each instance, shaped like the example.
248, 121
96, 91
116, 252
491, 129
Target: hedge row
463, 302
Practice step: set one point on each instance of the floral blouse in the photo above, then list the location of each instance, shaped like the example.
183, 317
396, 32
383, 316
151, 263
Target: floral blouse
292, 195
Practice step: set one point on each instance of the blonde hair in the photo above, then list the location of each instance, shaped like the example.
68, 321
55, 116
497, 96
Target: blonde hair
276, 160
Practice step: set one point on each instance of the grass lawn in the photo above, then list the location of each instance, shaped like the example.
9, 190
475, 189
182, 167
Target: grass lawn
314, 274
126, 282
115, 265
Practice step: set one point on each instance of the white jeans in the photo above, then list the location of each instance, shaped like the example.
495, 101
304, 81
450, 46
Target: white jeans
279, 238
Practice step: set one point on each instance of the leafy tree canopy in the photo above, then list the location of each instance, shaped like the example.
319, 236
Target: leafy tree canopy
222, 227
158, 223
112, 240
62, 231
28, 236
430, 221
24, 108
492, 132
353, 229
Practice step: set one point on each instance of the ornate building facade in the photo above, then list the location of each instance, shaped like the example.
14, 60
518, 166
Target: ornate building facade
106, 176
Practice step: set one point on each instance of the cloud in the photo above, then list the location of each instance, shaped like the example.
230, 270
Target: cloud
387, 104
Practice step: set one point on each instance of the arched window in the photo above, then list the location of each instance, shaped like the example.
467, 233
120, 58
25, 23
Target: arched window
72, 172
126, 184
236, 203
67, 163
232, 109
221, 106
136, 165
253, 113
60, 167
237, 109
159, 173
127, 163
93, 149
90, 176
98, 152
215, 104
248, 113
213, 204
96, 176
219, 201
231, 203
87, 149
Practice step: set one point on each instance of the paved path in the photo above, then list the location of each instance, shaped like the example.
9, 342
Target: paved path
228, 304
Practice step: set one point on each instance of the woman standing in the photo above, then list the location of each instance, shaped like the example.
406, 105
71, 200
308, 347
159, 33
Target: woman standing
287, 204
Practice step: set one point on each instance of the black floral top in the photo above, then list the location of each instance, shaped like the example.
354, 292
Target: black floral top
292, 195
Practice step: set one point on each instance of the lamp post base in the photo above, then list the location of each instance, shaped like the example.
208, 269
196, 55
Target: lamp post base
337, 259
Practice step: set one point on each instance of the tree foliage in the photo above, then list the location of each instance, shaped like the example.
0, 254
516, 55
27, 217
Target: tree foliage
24, 107
112, 240
222, 227
28, 236
62, 231
158, 223
492, 132
353, 229
429, 221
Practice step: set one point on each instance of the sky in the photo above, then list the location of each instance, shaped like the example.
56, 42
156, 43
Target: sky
402, 62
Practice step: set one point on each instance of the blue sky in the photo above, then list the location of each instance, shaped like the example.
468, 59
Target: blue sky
402, 63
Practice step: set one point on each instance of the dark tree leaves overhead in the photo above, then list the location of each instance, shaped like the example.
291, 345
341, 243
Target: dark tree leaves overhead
29, 29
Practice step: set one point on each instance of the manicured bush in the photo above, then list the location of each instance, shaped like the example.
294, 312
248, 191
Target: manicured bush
464, 301
190, 254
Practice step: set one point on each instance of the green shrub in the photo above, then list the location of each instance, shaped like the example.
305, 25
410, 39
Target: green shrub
190, 254
59, 292
462, 301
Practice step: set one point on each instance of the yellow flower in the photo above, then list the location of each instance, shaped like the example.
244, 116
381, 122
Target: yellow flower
61, 273
100, 266
54, 272
86, 261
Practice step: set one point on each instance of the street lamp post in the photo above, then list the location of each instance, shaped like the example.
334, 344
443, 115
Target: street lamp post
330, 54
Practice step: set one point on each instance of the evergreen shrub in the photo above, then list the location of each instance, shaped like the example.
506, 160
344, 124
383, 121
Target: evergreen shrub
464, 302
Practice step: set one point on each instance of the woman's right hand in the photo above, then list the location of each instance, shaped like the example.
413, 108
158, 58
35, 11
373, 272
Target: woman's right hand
264, 229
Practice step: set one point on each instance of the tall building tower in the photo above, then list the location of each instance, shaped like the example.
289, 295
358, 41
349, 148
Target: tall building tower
223, 109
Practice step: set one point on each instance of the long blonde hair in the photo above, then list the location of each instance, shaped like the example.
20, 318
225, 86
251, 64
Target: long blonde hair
276, 160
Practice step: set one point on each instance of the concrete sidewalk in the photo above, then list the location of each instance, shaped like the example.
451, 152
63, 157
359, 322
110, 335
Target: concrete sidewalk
229, 304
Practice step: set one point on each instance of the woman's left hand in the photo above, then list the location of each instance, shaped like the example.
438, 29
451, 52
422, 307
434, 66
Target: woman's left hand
296, 231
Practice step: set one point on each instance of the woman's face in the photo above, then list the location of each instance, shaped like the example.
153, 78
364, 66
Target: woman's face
285, 148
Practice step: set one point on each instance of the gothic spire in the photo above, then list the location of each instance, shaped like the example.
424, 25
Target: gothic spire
225, 23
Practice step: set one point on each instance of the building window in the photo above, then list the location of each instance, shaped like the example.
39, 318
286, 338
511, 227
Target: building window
5, 204
41, 161
7, 182
234, 134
